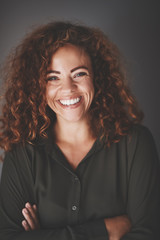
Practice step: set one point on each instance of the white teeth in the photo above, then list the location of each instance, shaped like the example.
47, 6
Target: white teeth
70, 101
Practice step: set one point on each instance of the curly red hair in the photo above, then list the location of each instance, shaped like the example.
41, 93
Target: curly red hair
26, 115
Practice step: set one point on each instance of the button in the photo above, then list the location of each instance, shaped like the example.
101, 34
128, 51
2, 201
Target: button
74, 208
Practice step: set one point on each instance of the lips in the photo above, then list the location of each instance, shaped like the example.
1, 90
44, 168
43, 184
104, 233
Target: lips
70, 102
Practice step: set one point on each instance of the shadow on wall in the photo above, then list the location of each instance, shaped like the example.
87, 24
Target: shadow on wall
1, 164
0, 169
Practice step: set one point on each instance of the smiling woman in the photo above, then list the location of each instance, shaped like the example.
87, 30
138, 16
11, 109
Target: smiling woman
78, 164
69, 89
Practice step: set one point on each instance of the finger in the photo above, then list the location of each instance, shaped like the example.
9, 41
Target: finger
33, 213
30, 209
28, 218
35, 207
25, 225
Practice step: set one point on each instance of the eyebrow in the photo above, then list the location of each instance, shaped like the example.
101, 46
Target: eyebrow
74, 69
53, 71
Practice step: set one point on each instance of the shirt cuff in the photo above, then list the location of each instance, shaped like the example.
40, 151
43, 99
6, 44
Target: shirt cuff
95, 230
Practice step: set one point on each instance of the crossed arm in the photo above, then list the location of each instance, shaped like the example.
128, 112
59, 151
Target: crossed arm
116, 227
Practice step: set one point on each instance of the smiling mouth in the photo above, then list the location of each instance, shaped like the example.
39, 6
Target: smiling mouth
70, 102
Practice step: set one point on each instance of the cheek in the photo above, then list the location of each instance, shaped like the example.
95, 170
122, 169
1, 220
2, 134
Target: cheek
50, 99
90, 88
47, 96
50, 93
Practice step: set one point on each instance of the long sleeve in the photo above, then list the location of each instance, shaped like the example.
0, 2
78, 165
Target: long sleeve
143, 206
16, 189
123, 179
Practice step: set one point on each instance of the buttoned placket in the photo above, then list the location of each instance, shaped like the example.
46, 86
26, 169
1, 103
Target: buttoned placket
75, 204
76, 193
74, 208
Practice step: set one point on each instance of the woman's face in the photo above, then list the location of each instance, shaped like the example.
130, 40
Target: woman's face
70, 89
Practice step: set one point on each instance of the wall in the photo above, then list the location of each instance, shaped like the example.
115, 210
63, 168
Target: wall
132, 25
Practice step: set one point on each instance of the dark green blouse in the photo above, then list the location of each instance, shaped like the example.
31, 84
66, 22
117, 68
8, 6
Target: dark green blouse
122, 179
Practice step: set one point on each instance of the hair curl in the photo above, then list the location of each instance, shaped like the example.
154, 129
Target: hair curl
25, 113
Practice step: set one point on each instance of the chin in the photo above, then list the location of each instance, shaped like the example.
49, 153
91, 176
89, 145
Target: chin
74, 119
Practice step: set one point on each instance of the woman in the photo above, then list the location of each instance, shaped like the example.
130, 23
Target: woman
78, 164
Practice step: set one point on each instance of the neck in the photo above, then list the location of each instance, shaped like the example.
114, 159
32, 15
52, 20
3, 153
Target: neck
72, 132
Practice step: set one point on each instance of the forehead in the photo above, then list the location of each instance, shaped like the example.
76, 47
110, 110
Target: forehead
70, 55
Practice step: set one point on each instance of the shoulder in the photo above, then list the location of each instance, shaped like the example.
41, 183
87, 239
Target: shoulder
140, 136
141, 148
138, 130
21, 155
29, 154
17, 157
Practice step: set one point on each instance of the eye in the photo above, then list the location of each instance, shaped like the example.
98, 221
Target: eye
52, 78
80, 74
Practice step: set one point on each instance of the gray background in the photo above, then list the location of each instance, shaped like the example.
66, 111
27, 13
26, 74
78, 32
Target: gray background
132, 24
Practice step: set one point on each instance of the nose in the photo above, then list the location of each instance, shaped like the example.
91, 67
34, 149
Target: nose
68, 84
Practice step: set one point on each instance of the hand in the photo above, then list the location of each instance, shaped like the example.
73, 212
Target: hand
30, 214
117, 227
